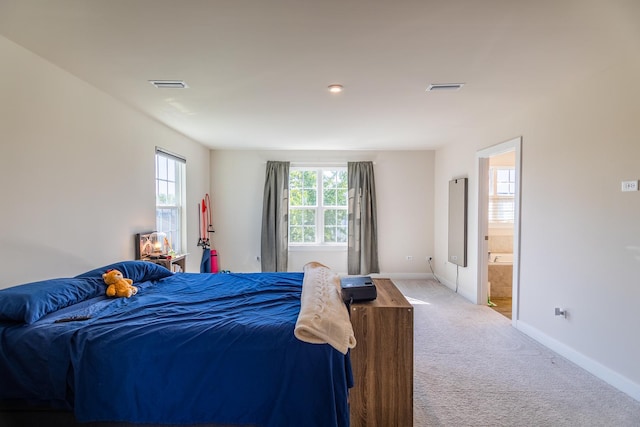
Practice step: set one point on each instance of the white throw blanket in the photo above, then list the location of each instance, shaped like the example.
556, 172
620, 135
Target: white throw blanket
323, 318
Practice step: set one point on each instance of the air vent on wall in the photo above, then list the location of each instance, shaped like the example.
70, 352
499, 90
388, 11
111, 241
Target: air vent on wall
444, 86
169, 84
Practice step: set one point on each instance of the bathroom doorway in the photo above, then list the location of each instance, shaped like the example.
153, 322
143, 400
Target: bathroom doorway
498, 227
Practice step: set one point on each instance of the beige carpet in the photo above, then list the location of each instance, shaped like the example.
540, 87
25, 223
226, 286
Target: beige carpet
472, 368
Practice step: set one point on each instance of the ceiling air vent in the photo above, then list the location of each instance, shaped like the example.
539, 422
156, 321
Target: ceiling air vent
169, 84
434, 87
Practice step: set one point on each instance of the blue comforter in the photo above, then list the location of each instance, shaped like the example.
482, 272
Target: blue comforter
189, 348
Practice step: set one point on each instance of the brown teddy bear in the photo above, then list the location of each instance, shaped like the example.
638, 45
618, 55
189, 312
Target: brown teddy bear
118, 286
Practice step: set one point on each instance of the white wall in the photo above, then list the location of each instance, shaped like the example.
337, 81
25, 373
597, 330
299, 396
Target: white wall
77, 172
404, 184
580, 235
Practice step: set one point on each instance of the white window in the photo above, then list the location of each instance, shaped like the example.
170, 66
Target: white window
170, 198
502, 190
318, 206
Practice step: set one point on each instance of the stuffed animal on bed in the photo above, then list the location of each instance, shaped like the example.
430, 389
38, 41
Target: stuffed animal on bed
117, 285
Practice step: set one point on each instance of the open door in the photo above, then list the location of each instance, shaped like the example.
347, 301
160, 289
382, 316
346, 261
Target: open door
484, 156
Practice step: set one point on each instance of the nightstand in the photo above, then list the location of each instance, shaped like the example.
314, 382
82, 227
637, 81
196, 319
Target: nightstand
170, 263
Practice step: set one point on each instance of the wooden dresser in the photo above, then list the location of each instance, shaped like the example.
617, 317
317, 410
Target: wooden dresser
382, 359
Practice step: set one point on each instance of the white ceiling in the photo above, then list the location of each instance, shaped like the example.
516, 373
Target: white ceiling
258, 70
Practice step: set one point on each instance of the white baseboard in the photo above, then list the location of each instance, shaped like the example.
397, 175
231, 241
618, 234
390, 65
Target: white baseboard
406, 276
400, 276
604, 373
451, 285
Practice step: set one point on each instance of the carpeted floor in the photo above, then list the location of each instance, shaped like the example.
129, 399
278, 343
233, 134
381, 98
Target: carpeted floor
472, 368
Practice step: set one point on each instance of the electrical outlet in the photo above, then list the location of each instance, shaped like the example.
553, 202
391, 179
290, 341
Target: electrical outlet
560, 312
630, 185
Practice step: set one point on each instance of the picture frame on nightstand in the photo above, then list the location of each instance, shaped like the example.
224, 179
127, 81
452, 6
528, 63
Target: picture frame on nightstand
142, 245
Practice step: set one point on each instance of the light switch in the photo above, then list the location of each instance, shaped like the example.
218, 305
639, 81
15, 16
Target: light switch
630, 185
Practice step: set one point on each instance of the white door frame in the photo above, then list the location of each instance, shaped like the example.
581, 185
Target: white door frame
483, 156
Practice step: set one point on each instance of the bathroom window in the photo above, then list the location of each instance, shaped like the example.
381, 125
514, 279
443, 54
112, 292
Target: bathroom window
502, 190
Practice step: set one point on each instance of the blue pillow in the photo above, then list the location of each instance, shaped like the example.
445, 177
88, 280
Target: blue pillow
28, 303
138, 271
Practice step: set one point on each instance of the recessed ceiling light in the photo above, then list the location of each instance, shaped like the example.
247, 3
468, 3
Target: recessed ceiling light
335, 88
169, 84
444, 86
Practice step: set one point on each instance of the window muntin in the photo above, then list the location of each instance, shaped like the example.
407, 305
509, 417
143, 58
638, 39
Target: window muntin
170, 196
318, 206
502, 189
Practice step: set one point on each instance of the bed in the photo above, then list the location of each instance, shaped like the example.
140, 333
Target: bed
217, 349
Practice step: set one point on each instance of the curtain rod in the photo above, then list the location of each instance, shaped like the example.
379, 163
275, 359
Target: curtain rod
320, 163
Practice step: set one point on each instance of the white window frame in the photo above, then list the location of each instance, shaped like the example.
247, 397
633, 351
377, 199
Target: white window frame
173, 183
501, 197
320, 209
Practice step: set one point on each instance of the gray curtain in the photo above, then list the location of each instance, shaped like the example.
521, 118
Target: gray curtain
363, 224
275, 217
